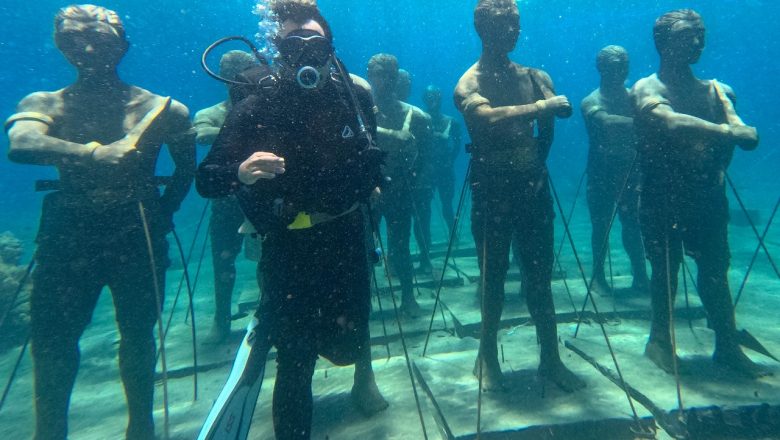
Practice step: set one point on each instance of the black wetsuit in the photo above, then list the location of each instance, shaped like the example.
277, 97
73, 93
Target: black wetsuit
316, 282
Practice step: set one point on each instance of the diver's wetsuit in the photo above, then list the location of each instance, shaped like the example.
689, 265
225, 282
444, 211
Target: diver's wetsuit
683, 204
316, 281
91, 236
610, 158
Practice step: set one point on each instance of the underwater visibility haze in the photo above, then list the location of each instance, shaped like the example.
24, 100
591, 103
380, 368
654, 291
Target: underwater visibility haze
536, 254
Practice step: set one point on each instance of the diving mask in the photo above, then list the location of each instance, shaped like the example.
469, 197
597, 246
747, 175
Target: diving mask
307, 54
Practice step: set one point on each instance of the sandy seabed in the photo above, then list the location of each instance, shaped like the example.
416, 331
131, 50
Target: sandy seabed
98, 408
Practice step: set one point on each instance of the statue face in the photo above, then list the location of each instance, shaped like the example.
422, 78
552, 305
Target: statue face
91, 48
615, 72
502, 34
686, 43
383, 81
432, 100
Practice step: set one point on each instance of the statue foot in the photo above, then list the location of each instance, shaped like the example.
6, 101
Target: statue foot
561, 376
738, 362
661, 355
492, 377
640, 285
367, 398
219, 334
410, 308
601, 288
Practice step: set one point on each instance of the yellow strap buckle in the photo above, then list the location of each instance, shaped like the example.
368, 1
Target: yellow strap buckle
302, 221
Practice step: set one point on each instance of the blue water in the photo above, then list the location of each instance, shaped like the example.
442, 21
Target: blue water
436, 42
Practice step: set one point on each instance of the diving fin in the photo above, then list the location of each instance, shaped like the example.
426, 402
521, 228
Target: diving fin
749, 341
231, 415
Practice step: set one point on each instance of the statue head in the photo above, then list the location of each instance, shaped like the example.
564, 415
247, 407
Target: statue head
383, 74
91, 37
403, 87
612, 64
432, 98
679, 36
498, 24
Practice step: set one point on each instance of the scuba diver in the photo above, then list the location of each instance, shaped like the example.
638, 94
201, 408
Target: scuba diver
510, 113
298, 156
404, 135
687, 129
226, 214
612, 177
106, 220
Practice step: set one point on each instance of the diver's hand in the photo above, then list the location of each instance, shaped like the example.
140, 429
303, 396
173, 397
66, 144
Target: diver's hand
113, 153
744, 136
557, 105
260, 165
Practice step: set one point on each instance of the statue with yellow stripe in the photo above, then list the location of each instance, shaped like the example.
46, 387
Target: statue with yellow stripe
104, 138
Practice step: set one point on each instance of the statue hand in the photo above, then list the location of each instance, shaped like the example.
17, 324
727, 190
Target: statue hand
114, 153
557, 105
744, 136
403, 135
561, 106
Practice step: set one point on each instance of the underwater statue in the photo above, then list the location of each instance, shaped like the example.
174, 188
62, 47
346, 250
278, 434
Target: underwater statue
226, 214
445, 148
503, 104
299, 158
106, 223
14, 293
404, 134
687, 129
613, 177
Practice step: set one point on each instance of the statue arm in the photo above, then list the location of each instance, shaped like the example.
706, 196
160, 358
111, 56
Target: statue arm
29, 138
456, 140
478, 109
744, 136
207, 126
181, 147
656, 110
206, 134
604, 120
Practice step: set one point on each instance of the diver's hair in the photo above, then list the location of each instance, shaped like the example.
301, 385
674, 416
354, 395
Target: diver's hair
611, 54
234, 62
662, 30
384, 62
300, 11
89, 16
486, 10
